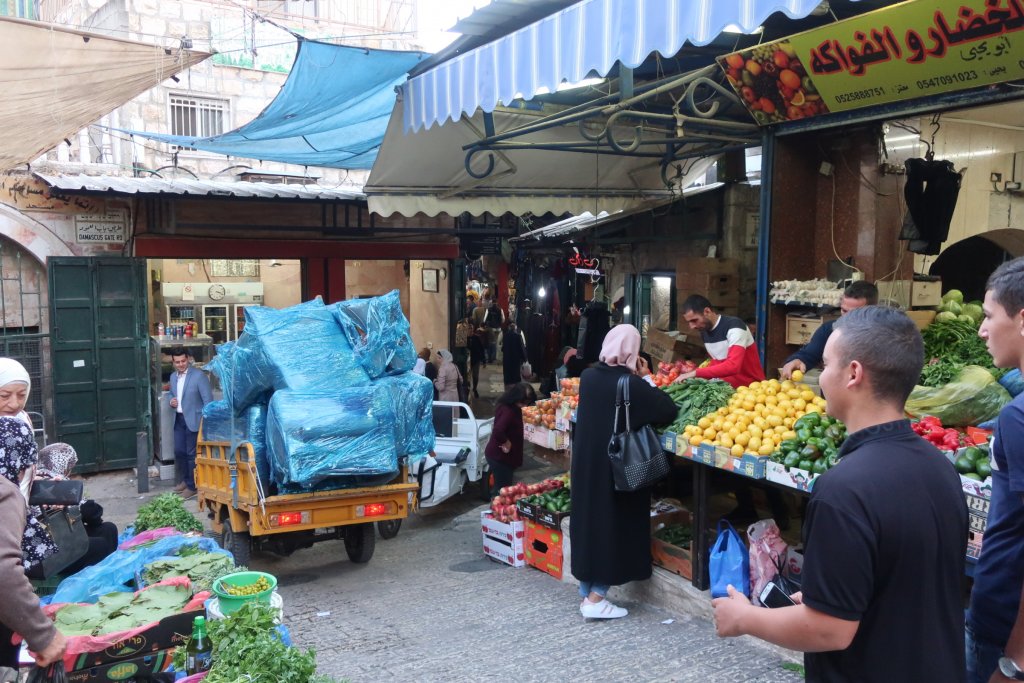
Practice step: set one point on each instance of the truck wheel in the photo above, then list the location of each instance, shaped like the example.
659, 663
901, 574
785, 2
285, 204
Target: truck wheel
360, 540
389, 528
237, 543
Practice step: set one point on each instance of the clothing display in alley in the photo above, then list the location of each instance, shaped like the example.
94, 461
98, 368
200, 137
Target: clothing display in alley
931, 193
594, 325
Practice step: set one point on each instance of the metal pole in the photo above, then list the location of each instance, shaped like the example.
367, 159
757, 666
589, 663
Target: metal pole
764, 239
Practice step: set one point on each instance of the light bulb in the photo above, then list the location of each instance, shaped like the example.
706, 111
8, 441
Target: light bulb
542, 292
625, 311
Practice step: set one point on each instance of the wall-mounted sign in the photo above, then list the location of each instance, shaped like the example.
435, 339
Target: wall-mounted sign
109, 227
913, 49
584, 265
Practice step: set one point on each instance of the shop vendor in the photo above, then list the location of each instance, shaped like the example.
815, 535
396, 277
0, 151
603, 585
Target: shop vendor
734, 356
856, 295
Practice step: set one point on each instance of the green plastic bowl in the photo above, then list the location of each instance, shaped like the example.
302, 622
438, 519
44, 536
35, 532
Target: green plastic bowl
229, 604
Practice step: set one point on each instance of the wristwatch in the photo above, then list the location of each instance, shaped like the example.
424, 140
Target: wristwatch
1009, 668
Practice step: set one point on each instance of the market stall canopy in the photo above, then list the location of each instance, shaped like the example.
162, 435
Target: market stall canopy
565, 47
332, 110
425, 172
56, 81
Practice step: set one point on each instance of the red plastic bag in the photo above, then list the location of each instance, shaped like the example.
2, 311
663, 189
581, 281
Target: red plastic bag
767, 554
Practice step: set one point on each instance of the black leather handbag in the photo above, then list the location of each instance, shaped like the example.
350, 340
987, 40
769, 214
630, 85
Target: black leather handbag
64, 523
637, 458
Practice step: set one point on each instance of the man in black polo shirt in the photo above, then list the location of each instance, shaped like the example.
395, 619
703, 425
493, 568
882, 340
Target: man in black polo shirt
886, 529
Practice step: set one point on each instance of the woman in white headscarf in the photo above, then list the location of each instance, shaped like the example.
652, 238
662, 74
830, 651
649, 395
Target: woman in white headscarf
448, 378
15, 385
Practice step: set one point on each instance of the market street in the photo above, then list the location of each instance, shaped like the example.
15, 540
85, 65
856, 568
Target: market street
430, 607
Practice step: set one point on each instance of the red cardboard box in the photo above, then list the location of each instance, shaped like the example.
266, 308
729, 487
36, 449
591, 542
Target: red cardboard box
503, 542
544, 549
137, 669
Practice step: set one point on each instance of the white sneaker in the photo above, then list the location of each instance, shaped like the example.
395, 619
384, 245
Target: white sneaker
601, 610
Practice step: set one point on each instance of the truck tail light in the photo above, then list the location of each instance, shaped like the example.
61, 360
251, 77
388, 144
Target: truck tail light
374, 509
289, 519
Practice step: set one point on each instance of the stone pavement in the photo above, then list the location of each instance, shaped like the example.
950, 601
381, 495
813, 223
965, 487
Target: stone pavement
430, 607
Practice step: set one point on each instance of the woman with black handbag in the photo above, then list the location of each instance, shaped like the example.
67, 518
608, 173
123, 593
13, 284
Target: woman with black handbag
611, 530
21, 536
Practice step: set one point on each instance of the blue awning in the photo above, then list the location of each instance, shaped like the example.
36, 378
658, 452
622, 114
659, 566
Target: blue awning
332, 111
592, 35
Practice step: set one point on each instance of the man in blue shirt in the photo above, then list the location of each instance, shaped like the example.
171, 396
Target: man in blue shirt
995, 619
856, 295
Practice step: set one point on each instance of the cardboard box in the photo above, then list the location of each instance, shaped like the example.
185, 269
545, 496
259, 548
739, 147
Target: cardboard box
699, 283
977, 508
527, 510
712, 266
544, 549
750, 465
973, 487
663, 514
668, 347
793, 477
974, 540
168, 633
922, 318
502, 541
727, 298
673, 558
794, 567
137, 669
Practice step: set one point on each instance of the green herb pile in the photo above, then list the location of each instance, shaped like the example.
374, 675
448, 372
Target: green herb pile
166, 510
695, 399
202, 568
246, 649
122, 611
949, 346
675, 534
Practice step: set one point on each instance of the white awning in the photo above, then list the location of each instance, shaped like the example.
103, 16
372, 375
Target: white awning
425, 172
590, 36
56, 81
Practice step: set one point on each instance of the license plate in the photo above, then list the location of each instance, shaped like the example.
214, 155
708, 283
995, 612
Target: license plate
323, 531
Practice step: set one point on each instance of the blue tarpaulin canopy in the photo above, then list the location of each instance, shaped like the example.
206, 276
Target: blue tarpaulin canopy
332, 111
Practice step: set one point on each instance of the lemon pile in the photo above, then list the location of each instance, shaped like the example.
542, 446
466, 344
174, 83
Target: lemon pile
758, 417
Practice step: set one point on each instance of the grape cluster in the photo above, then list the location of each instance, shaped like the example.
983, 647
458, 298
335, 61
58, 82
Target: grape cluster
259, 586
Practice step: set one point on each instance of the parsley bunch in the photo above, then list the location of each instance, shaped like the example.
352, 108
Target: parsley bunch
166, 510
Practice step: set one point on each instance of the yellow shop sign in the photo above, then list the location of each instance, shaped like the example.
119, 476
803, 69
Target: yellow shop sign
913, 49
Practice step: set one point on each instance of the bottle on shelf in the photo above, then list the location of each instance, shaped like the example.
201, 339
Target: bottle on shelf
199, 651
160, 330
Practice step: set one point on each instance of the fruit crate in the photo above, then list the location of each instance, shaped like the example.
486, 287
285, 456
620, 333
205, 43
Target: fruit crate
550, 518
527, 510
669, 441
750, 465
544, 549
502, 541
673, 558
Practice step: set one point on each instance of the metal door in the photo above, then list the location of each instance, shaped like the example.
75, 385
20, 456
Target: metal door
101, 382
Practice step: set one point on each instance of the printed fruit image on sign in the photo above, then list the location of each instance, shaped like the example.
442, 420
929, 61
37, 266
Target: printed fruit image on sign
773, 83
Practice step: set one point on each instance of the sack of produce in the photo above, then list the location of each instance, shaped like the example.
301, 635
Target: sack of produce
220, 424
413, 399
301, 348
349, 433
973, 397
378, 332
1013, 382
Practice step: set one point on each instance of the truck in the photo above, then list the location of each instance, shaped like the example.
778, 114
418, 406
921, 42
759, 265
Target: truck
246, 518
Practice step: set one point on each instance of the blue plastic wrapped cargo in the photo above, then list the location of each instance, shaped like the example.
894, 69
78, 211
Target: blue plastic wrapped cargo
413, 399
300, 348
220, 424
378, 332
349, 433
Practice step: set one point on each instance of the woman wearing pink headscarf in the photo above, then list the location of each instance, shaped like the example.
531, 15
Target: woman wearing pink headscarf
611, 531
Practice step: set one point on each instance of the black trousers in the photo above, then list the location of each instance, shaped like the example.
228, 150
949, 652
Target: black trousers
501, 475
8, 652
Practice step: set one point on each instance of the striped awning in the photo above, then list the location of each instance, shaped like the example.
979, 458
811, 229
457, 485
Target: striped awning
590, 36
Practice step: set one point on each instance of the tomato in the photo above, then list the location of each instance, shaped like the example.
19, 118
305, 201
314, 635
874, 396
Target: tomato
767, 106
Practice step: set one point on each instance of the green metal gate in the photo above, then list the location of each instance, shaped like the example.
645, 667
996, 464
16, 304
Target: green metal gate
99, 357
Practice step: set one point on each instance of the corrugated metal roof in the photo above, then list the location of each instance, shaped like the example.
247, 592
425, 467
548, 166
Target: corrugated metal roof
219, 188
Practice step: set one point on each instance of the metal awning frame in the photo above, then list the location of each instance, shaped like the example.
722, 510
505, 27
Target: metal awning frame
693, 128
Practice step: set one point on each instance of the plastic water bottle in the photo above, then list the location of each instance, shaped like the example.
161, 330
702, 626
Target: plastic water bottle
160, 330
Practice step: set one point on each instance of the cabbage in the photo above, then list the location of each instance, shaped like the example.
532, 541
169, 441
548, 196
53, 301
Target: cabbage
951, 306
945, 316
967, 319
953, 295
973, 397
974, 310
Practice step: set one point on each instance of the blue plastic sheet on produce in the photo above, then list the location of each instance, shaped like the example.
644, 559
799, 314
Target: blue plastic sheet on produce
349, 433
300, 348
117, 571
413, 399
221, 365
1013, 382
378, 331
220, 424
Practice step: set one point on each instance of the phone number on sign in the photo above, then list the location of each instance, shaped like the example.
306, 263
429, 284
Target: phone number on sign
860, 95
950, 79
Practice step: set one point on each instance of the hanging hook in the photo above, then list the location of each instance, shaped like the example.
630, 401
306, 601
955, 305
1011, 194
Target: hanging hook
930, 154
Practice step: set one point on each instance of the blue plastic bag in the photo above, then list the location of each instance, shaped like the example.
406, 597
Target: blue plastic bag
729, 562
1013, 382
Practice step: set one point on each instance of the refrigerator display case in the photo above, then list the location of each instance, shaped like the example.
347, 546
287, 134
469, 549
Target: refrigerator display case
240, 319
215, 323
179, 314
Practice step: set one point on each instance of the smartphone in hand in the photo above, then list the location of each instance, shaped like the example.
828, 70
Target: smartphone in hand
773, 596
